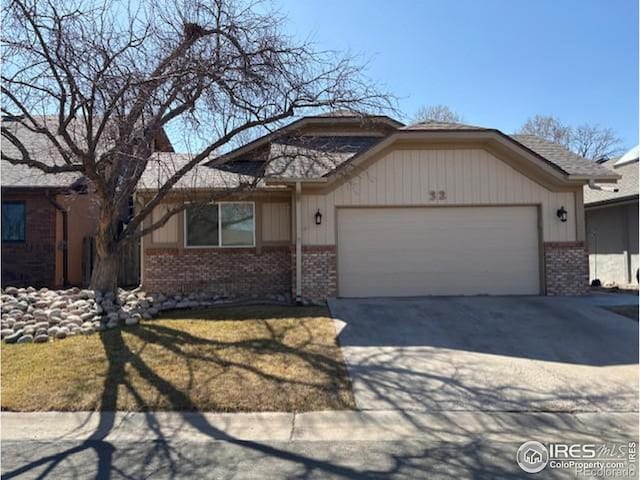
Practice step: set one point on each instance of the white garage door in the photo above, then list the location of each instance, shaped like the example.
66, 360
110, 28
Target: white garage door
438, 251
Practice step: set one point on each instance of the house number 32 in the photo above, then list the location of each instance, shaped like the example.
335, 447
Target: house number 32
437, 195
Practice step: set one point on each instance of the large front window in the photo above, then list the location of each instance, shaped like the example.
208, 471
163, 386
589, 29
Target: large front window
13, 221
227, 224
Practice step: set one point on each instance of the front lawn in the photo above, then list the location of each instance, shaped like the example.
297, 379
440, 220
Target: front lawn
262, 358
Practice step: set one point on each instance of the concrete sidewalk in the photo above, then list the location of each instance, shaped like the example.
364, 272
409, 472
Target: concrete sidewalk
450, 427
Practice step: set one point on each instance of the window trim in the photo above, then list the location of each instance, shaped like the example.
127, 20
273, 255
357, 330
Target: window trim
218, 204
24, 220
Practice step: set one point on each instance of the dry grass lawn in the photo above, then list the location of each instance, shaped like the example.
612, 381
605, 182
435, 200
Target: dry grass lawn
630, 311
262, 358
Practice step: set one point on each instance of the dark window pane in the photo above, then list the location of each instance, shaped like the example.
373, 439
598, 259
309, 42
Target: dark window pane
202, 225
237, 224
13, 221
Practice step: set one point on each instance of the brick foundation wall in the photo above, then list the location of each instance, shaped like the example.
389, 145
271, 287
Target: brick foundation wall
238, 272
566, 266
32, 263
319, 272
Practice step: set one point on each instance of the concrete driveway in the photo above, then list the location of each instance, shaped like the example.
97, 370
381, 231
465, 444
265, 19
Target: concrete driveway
488, 353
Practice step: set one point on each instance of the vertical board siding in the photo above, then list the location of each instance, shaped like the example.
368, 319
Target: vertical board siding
168, 233
276, 221
469, 177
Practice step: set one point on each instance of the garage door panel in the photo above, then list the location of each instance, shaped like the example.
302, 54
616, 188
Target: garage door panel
438, 251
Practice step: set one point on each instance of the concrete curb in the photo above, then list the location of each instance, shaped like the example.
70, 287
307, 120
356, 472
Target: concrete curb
451, 426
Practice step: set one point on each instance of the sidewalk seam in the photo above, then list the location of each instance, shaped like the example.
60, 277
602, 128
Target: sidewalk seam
293, 426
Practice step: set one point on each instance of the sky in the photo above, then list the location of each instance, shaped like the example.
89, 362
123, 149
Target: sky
496, 62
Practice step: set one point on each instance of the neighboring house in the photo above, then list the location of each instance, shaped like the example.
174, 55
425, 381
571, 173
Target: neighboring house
368, 207
612, 225
44, 217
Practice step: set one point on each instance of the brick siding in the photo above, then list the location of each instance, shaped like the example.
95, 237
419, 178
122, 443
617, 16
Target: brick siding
566, 266
245, 273
32, 263
239, 272
319, 272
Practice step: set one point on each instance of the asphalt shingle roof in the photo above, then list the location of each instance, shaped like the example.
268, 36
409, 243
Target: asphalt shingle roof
290, 156
160, 167
314, 156
40, 149
627, 186
429, 125
164, 165
568, 161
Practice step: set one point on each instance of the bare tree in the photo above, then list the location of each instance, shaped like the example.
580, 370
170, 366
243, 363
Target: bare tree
595, 142
589, 141
437, 113
549, 128
100, 80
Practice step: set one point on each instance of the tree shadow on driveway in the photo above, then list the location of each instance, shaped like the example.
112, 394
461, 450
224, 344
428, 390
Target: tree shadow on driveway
554, 329
488, 354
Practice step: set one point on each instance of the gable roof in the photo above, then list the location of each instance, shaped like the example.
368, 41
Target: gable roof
554, 156
319, 157
551, 173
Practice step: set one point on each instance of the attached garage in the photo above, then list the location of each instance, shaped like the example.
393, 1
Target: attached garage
405, 251
443, 213
367, 207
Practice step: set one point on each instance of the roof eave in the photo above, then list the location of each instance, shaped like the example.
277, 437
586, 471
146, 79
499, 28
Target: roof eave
600, 178
294, 180
239, 189
612, 202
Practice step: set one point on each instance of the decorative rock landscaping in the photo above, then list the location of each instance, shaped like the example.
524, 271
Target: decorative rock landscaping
30, 315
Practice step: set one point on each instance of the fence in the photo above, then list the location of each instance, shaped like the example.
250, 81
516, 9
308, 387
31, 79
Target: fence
129, 272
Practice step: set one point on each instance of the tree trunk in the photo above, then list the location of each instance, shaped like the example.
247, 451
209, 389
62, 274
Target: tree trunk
105, 271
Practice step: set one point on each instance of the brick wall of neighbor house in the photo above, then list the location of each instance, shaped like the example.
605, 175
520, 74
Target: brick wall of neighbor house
32, 263
319, 272
566, 266
239, 272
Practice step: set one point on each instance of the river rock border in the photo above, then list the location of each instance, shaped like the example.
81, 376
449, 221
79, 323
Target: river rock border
31, 315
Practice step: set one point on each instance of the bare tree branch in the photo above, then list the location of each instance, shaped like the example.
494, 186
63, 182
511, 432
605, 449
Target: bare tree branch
100, 81
437, 113
589, 141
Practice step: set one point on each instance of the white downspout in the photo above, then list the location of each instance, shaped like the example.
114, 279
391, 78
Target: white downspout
298, 242
593, 186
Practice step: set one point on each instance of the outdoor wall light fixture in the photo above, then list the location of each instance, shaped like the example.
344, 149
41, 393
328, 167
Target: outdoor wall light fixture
318, 217
562, 214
